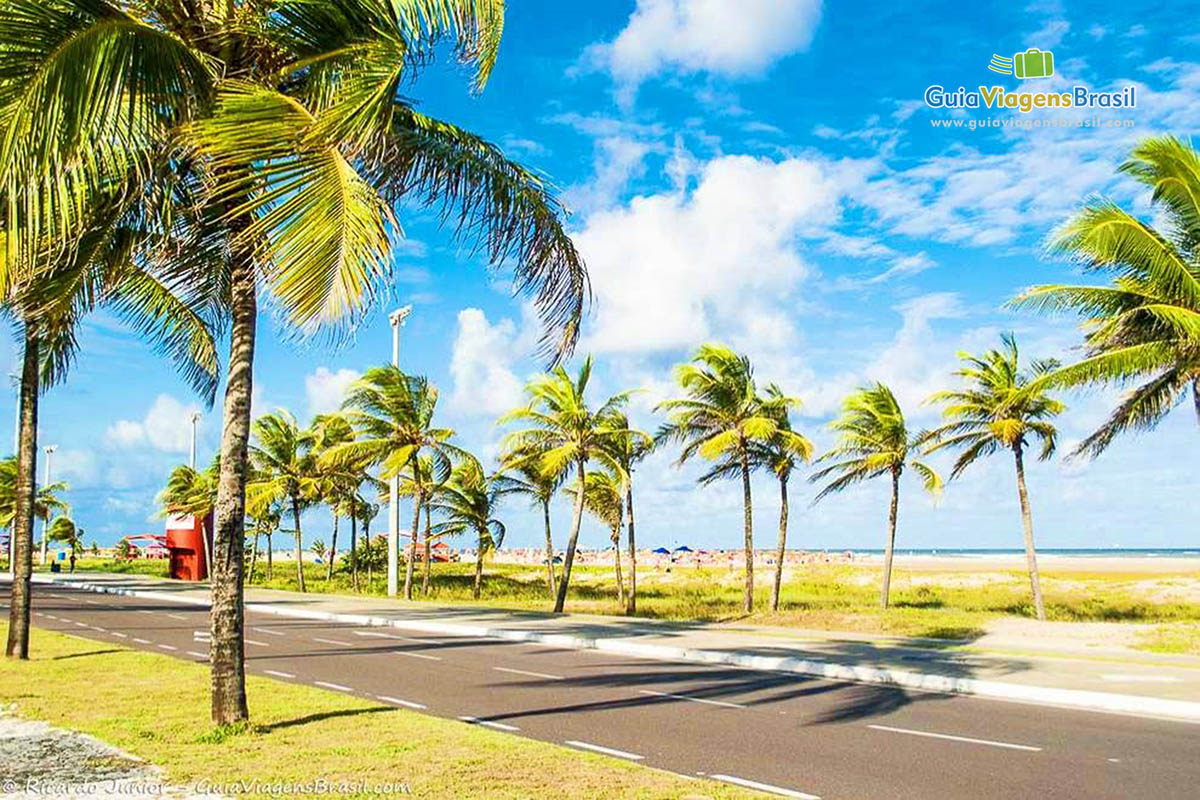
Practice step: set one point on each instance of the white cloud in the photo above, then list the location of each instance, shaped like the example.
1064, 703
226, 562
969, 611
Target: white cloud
165, 427
713, 36
481, 365
325, 389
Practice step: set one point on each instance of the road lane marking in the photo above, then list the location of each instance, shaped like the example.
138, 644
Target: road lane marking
177, 616
334, 642
255, 642
82, 624
51, 616
377, 635
335, 686
399, 702
93, 602
196, 654
500, 726
97, 628
530, 674
416, 655
144, 611
608, 751
764, 787
118, 634
968, 739
1141, 678
278, 674
167, 647
268, 631
142, 641
693, 699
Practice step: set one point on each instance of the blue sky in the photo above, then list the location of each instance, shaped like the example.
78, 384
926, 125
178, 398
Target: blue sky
762, 173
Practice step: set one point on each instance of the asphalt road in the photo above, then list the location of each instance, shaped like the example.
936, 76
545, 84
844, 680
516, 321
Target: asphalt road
785, 733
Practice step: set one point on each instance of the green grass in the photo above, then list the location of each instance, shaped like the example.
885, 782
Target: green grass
1179, 637
156, 707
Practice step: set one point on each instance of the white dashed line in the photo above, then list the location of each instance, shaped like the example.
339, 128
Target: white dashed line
167, 647
81, 624
97, 628
377, 635
335, 686
693, 699
333, 642
278, 674
416, 655
530, 674
144, 611
969, 740
268, 631
177, 616
197, 655
142, 641
118, 634
608, 751
487, 723
51, 616
397, 701
764, 787
256, 643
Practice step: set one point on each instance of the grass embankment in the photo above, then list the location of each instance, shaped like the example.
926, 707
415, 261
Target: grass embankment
156, 707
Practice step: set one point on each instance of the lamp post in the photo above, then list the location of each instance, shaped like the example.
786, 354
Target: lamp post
397, 319
49, 450
192, 453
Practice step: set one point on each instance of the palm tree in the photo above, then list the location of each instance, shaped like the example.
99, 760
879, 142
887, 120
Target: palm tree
530, 481
429, 487
392, 416
1144, 328
564, 434
602, 499
335, 486
722, 418
62, 529
629, 447
467, 502
193, 493
268, 517
284, 470
47, 501
285, 124
873, 440
1004, 408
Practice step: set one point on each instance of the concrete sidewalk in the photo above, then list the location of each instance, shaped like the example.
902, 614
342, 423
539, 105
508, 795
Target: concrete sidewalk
1011, 666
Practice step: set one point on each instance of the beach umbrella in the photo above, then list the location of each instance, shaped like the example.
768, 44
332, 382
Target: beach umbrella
661, 551
683, 548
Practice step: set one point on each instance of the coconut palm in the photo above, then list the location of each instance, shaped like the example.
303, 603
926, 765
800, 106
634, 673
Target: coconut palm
466, 502
62, 529
602, 499
284, 123
47, 501
336, 483
873, 440
629, 446
528, 480
268, 517
564, 434
284, 471
393, 419
1143, 328
721, 419
193, 493
1003, 408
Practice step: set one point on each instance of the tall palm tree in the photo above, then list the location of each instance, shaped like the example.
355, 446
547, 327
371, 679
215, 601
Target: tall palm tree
873, 440
393, 419
429, 487
721, 418
629, 447
1144, 327
62, 529
1003, 408
284, 470
467, 501
530, 481
602, 499
335, 486
286, 124
564, 434
268, 518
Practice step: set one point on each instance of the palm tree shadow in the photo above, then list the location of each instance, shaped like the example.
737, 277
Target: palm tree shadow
319, 717
88, 653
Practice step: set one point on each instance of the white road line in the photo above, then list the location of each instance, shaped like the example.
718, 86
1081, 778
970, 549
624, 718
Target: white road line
51, 616
377, 635
144, 611
764, 787
397, 701
1142, 678
416, 655
142, 641
608, 751
988, 742
268, 631
335, 686
197, 655
530, 674
118, 634
334, 642
255, 642
278, 674
93, 602
97, 628
177, 616
82, 624
167, 647
487, 723
693, 699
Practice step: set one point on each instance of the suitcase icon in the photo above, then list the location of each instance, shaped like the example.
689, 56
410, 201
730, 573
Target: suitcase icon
1033, 63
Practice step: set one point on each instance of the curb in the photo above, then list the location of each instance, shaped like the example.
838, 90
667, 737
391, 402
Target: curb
1182, 710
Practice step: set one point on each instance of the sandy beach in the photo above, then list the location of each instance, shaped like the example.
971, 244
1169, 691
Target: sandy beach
1051, 562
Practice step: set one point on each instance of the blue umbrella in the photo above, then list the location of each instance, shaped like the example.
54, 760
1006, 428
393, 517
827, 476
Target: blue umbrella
661, 550
683, 548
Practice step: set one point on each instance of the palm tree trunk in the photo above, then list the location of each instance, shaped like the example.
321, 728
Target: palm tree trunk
367, 544
631, 608
22, 528
354, 546
270, 551
616, 540
891, 540
226, 649
549, 549
428, 551
569, 559
253, 555
748, 531
478, 587
418, 498
299, 543
332, 550
781, 547
1027, 522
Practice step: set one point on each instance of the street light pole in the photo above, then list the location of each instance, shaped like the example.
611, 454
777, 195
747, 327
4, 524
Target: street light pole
49, 450
192, 454
397, 319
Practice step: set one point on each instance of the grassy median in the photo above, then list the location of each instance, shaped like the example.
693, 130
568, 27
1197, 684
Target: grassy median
156, 707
